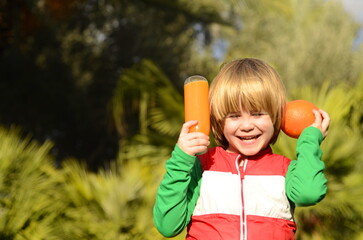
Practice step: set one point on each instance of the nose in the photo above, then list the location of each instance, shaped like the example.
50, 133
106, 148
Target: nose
246, 124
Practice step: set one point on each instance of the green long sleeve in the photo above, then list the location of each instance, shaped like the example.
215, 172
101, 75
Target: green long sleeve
177, 193
305, 179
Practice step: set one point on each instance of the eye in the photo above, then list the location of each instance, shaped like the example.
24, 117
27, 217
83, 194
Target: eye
233, 115
258, 113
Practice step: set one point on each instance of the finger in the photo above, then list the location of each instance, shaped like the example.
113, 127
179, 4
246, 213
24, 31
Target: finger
198, 149
326, 120
200, 142
198, 135
193, 146
325, 115
187, 125
196, 139
318, 118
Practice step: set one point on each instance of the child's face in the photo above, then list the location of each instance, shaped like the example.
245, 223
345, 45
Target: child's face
248, 132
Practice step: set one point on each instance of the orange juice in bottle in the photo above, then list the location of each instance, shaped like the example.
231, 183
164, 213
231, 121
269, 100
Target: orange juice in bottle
196, 103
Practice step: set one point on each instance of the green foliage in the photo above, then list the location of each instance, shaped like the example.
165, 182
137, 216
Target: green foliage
145, 92
67, 56
309, 42
38, 201
29, 199
103, 205
343, 158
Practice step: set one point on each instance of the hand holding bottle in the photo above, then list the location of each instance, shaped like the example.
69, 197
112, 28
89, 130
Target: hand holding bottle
192, 143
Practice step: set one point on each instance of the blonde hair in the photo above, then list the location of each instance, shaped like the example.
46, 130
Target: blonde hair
246, 84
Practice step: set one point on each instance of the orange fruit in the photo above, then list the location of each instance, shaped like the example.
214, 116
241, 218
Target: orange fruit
298, 115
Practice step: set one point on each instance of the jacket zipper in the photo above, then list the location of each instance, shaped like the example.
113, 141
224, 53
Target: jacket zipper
243, 225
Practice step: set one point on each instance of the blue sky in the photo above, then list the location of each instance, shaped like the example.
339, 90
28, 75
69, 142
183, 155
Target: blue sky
355, 7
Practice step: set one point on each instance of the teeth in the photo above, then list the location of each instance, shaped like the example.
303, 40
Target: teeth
248, 138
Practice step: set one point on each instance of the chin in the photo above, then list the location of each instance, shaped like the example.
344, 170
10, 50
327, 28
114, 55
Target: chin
250, 152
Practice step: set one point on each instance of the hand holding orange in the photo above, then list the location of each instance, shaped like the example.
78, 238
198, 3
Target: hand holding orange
298, 115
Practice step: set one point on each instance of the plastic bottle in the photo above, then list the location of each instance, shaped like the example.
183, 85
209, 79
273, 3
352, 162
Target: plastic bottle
196, 103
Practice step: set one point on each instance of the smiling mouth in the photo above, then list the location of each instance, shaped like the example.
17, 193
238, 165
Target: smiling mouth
249, 137
249, 140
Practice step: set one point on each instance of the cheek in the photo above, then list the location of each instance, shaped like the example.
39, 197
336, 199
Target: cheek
266, 121
267, 125
228, 129
270, 128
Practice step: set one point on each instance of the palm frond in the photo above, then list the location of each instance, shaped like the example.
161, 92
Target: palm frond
343, 160
29, 199
149, 97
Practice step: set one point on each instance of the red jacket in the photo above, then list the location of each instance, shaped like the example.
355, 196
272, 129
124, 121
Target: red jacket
233, 198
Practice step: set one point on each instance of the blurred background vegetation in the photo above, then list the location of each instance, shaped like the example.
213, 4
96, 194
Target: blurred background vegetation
91, 104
